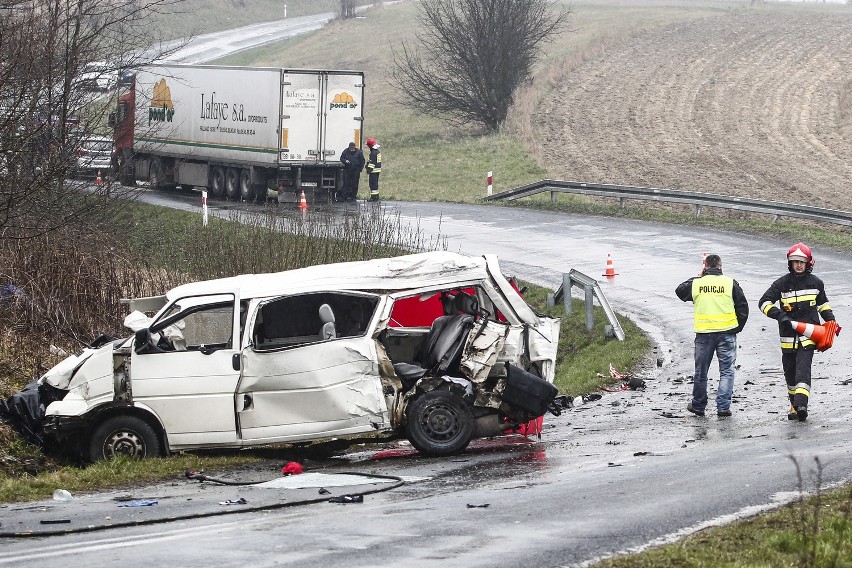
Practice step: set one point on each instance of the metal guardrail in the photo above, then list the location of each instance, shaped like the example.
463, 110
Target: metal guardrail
697, 199
591, 289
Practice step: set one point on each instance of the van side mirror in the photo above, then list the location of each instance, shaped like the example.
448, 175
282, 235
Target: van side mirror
111, 119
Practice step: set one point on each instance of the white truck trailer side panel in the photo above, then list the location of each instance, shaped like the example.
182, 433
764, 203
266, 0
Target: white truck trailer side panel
209, 113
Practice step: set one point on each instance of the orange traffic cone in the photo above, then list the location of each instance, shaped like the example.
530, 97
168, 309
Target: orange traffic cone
303, 203
610, 270
98, 180
822, 335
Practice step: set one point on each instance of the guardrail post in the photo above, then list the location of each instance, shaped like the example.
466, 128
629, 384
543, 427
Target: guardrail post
622, 202
566, 291
553, 196
591, 288
590, 303
697, 211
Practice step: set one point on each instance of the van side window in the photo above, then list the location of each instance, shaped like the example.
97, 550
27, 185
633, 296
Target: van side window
195, 322
209, 327
309, 318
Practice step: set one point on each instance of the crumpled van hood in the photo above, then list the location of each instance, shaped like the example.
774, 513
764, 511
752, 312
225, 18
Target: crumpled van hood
61, 375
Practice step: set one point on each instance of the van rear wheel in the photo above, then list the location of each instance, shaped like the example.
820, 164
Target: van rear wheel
124, 436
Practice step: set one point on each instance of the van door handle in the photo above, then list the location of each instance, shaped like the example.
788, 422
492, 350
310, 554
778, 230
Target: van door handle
235, 361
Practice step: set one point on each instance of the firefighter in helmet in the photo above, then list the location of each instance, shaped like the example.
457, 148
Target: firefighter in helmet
374, 168
797, 296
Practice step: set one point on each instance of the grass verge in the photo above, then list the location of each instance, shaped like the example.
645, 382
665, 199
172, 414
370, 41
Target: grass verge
583, 357
812, 532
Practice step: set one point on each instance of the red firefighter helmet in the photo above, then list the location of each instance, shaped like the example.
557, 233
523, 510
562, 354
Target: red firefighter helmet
800, 251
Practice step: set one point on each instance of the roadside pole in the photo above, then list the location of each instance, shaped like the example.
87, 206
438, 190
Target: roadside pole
204, 205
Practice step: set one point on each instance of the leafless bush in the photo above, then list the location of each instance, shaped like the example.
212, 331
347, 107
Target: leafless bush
65, 289
347, 9
472, 56
810, 518
273, 242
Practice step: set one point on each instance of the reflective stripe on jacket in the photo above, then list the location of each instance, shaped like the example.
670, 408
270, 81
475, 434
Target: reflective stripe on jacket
713, 300
374, 163
802, 298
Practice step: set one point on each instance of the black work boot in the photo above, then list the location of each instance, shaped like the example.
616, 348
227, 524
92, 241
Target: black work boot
802, 413
694, 411
791, 414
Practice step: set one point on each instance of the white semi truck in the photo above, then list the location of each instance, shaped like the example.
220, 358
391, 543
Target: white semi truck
241, 132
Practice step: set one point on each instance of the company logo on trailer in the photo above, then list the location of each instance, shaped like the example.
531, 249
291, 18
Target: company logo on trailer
162, 109
343, 100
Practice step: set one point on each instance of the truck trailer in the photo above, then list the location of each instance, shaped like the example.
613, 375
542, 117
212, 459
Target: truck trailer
242, 132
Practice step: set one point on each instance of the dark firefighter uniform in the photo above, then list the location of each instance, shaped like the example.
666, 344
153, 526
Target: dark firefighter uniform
802, 298
374, 168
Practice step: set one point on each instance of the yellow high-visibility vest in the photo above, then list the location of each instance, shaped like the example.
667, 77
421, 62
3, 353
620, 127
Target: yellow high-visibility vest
713, 302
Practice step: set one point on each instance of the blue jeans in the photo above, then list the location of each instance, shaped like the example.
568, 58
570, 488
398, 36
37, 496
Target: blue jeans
724, 345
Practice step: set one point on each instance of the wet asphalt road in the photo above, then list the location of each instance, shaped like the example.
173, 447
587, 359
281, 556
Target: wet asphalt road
620, 473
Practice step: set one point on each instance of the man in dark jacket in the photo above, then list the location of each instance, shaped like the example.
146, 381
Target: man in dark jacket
353, 161
720, 312
801, 297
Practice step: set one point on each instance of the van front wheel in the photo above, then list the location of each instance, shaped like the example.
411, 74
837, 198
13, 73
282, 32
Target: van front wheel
124, 436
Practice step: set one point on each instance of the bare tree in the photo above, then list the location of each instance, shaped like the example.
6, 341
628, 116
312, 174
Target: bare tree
347, 9
48, 50
473, 55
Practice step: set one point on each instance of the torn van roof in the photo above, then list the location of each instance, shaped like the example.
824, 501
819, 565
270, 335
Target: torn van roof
386, 274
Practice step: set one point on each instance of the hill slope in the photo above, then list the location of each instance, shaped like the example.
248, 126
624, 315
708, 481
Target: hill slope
752, 103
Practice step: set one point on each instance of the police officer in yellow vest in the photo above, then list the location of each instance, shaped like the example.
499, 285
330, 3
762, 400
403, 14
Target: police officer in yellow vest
720, 311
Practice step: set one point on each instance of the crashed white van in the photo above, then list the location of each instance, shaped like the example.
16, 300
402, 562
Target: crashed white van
436, 347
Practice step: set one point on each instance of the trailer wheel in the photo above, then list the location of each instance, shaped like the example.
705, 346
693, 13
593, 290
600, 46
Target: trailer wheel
217, 182
232, 184
246, 188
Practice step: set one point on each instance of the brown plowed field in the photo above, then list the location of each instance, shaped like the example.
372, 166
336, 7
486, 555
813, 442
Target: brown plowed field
756, 104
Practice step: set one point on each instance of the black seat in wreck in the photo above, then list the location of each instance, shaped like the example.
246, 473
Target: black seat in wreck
441, 351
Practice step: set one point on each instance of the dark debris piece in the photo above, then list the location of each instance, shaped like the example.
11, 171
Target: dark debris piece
483, 506
240, 501
347, 499
559, 403
323, 491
